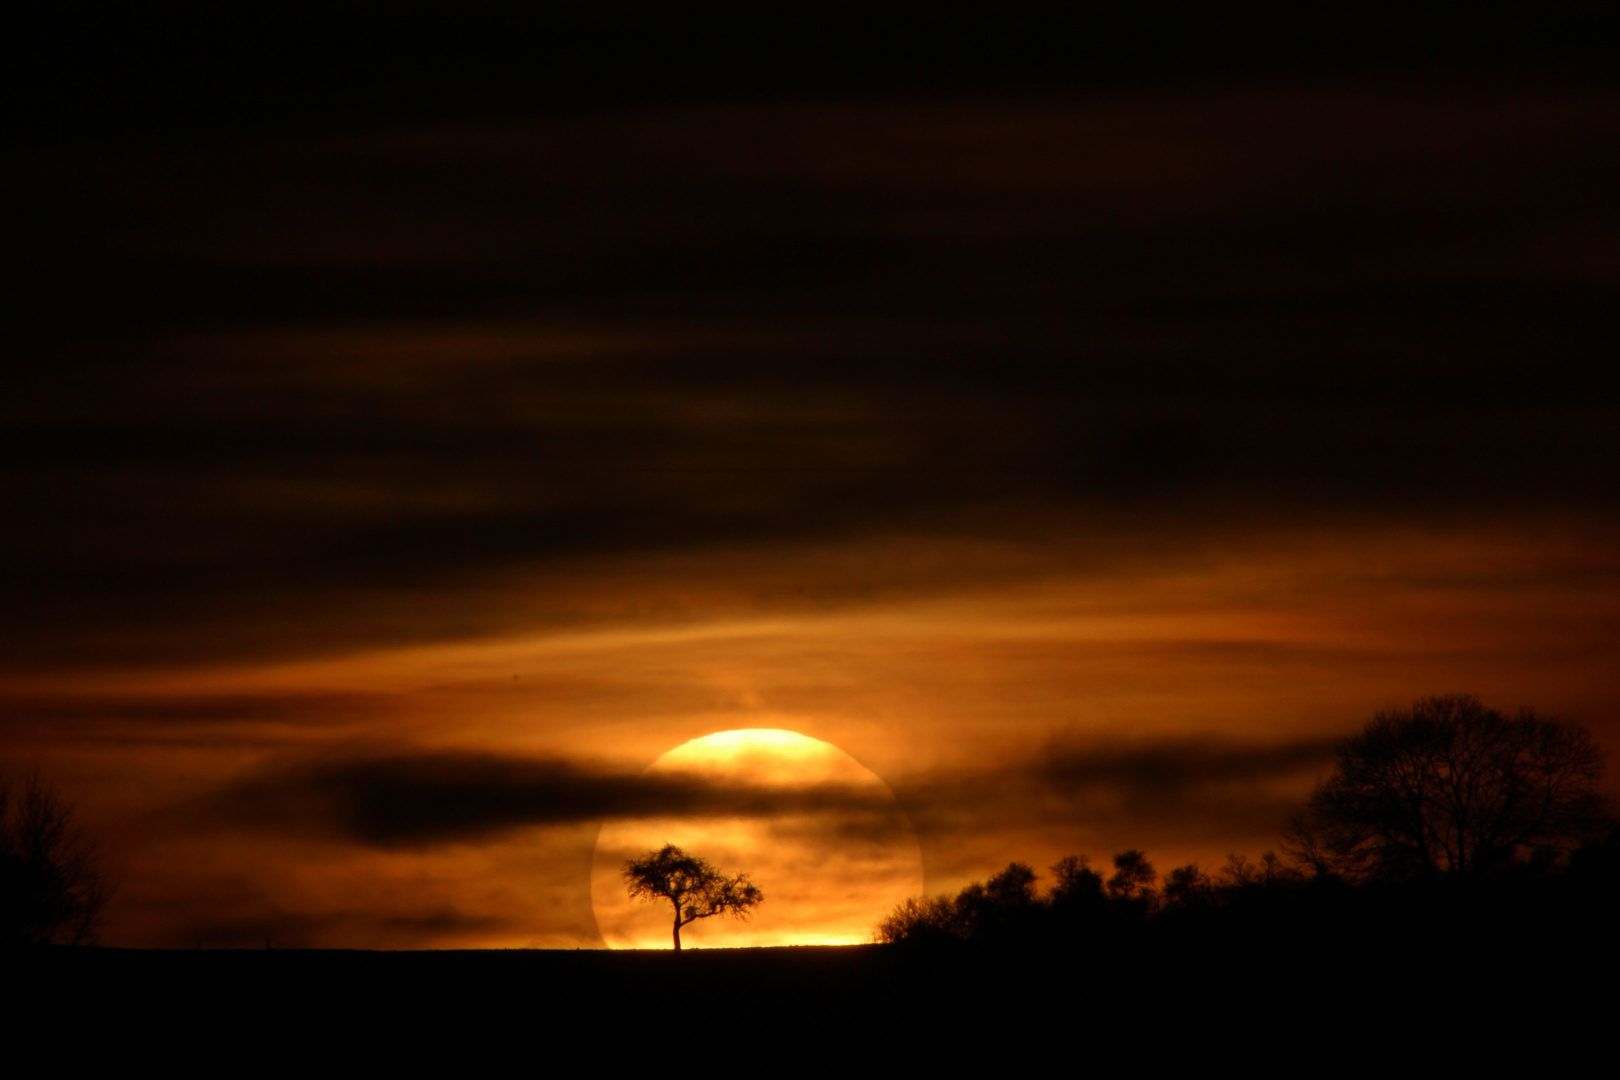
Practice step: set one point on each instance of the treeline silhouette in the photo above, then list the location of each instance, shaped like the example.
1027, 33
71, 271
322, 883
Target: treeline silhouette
1443, 825
1271, 897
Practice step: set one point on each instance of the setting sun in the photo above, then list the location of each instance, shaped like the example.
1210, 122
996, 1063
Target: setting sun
817, 831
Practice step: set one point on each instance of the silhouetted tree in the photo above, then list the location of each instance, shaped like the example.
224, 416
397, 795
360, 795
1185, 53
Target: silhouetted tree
1075, 881
1133, 877
695, 889
918, 918
1239, 872
1451, 788
52, 889
1013, 887
1271, 870
1077, 900
1188, 886
1005, 906
1275, 871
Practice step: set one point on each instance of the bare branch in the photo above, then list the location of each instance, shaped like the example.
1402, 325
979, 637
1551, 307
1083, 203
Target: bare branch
52, 889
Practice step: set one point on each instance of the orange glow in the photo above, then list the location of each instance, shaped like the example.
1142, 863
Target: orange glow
1259, 642
828, 874
386, 501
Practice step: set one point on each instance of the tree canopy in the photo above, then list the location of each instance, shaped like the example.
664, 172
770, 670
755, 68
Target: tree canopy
1448, 788
695, 889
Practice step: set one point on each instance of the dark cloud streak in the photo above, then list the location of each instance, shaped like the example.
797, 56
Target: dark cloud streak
811, 324
255, 928
1195, 786
417, 800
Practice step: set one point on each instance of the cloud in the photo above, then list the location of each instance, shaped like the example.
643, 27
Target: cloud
345, 391
1199, 785
264, 924
161, 716
1074, 767
428, 799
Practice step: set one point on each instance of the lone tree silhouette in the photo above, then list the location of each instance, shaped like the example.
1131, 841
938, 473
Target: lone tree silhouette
1449, 788
696, 889
52, 890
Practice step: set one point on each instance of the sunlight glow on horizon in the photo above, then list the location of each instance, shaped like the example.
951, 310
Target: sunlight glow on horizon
829, 872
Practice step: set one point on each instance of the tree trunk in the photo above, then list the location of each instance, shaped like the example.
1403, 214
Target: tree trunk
677, 931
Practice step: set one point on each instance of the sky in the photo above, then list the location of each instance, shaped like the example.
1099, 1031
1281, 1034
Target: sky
1084, 461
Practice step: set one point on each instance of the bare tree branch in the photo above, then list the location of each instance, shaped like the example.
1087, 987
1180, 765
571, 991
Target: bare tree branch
52, 888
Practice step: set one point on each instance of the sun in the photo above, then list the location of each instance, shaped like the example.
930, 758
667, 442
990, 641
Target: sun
822, 835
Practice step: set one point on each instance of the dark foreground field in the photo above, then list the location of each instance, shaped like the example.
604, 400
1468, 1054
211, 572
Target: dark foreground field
1122, 1004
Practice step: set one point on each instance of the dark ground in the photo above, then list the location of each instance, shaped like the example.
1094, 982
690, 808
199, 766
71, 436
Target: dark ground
1142, 1006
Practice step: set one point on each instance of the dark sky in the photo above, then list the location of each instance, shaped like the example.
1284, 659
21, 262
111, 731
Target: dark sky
1082, 437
